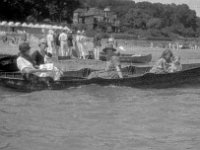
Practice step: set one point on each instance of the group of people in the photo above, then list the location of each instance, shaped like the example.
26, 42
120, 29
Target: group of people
167, 63
63, 43
41, 64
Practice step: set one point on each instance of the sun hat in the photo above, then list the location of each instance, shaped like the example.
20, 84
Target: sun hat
109, 47
24, 47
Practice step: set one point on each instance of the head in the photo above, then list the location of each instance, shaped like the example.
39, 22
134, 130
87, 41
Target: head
51, 32
43, 44
167, 55
24, 48
109, 50
78, 32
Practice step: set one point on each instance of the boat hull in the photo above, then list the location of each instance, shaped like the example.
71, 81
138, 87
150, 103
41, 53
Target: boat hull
188, 77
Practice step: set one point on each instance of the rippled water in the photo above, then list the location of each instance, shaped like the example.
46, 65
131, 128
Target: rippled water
100, 118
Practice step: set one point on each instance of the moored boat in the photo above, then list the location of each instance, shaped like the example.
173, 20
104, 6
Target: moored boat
130, 58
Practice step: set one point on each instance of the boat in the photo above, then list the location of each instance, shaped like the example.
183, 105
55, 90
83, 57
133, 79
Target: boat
130, 58
8, 63
137, 77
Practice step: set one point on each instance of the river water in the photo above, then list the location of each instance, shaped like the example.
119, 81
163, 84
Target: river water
101, 118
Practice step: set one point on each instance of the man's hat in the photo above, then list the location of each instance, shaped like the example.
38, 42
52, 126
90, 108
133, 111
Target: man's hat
23, 47
109, 47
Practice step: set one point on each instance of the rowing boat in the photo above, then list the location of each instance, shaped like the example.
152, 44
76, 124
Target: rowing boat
8, 63
130, 58
134, 77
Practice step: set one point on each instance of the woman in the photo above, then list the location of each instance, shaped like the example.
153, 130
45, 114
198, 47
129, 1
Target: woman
113, 67
163, 64
27, 65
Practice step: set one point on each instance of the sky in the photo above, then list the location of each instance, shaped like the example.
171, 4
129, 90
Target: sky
193, 4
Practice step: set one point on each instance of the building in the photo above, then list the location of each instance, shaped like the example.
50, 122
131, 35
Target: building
91, 17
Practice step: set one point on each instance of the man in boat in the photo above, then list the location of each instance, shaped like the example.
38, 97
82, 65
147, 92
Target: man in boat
39, 55
28, 66
113, 67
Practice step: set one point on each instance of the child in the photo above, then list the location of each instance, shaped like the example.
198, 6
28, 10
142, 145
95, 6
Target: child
162, 66
175, 65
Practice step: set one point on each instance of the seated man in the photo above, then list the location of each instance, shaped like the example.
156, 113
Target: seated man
113, 68
41, 56
27, 65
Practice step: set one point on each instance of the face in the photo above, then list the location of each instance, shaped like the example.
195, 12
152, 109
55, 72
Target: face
43, 46
168, 57
28, 52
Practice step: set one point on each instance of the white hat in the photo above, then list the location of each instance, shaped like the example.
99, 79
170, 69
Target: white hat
78, 32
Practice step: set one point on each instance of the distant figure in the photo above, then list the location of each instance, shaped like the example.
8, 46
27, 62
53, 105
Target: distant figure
163, 64
70, 43
57, 42
80, 39
63, 43
97, 45
176, 65
50, 41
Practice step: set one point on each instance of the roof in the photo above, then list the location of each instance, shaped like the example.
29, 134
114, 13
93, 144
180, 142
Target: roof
107, 9
80, 10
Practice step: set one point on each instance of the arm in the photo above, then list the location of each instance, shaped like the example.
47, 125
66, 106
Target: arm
30, 70
119, 71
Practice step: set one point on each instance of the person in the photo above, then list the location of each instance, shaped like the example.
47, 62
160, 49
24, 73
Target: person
163, 64
50, 41
70, 43
24, 62
80, 41
27, 65
176, 65
57, 42
97, 45
63, 43
39, 55
113, 67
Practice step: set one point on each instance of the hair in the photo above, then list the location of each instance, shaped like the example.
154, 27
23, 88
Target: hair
166, 52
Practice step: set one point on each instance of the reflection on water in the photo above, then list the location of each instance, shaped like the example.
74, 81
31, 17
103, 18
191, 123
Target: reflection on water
100, 118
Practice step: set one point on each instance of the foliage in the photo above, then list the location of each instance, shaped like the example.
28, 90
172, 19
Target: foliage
140, 19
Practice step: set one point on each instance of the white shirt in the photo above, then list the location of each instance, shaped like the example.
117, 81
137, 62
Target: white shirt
49, 38
63, 37
22, 64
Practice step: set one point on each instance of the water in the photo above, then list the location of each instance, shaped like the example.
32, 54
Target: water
101, 118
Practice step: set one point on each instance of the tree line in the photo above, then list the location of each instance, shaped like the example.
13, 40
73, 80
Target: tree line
143, 18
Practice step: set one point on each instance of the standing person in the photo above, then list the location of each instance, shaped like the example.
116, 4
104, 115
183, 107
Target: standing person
50, 41
80, 40
57, 42
97, 45
70, 43
63, 43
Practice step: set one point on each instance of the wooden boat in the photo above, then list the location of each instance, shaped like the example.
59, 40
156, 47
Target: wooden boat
8, 63
129, 58
134, 77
